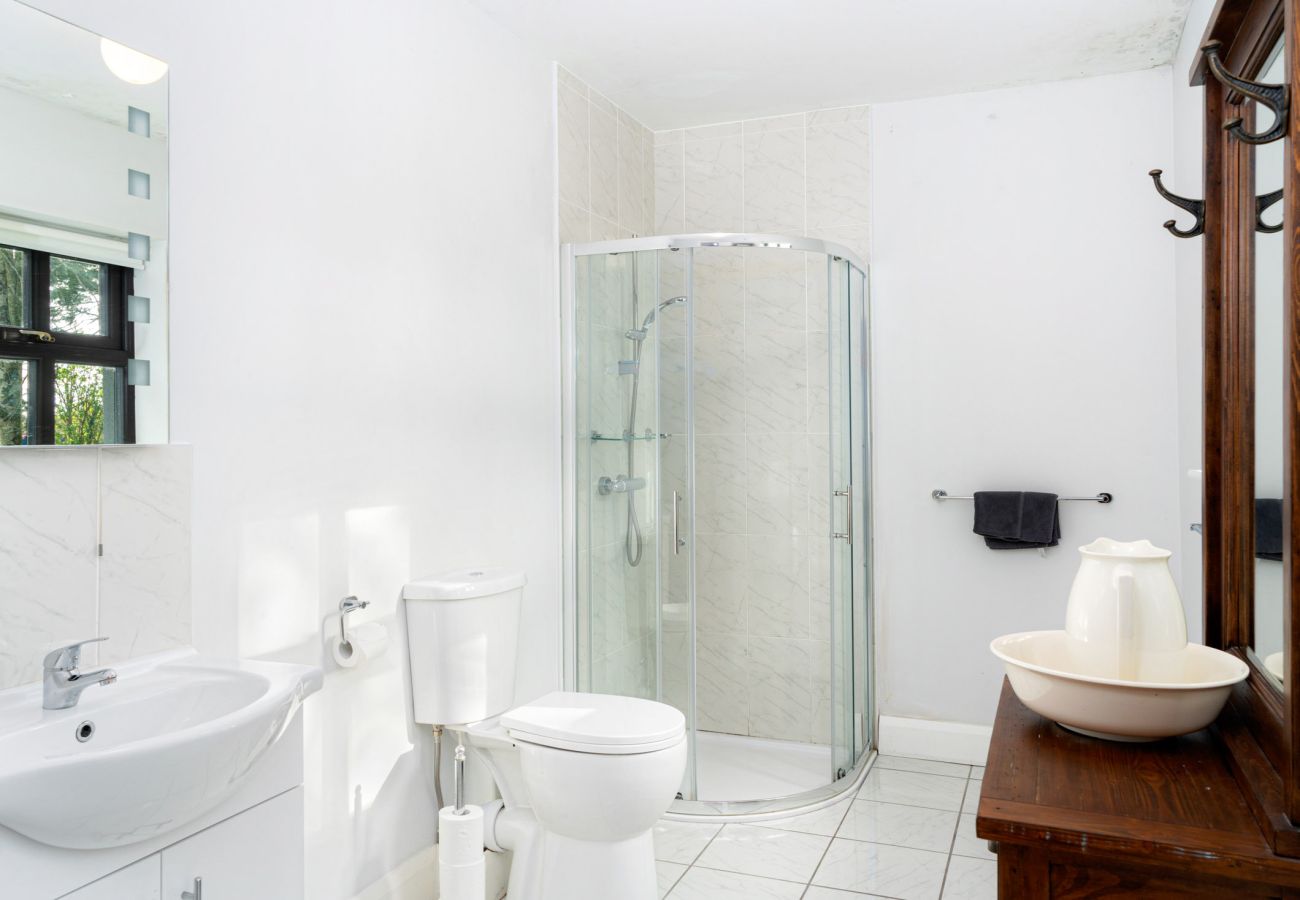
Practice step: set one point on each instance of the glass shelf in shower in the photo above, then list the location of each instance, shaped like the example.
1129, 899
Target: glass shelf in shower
623, 438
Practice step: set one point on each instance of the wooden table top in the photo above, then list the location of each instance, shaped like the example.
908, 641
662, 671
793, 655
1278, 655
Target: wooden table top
1168, 802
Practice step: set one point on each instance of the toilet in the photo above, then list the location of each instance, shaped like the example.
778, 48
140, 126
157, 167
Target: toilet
583, 777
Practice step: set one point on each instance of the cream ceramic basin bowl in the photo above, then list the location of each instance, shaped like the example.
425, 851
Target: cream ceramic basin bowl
171, 739
1178, 694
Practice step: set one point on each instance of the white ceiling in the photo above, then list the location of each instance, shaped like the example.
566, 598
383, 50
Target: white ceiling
675, 63
61, 64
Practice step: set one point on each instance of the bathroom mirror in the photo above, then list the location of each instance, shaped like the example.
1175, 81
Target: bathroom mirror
1270, 376
83, 236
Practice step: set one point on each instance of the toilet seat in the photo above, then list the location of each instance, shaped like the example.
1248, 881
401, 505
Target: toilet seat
596, 723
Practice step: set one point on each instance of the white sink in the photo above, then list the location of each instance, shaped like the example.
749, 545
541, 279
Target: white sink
171, 739
1175, 693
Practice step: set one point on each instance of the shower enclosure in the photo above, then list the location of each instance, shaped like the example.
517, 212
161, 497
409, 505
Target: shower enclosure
716, 504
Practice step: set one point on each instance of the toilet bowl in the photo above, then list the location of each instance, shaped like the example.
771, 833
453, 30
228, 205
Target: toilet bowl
583, 777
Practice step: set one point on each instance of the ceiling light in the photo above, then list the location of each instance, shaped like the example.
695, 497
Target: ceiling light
131, 66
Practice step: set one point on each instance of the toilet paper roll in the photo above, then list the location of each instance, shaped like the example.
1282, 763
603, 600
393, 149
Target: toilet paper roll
366, 641
461, 866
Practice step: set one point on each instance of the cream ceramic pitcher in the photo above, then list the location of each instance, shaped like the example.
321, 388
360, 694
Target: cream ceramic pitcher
1125, 619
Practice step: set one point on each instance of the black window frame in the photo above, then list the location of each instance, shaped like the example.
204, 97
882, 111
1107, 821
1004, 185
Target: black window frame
112, 350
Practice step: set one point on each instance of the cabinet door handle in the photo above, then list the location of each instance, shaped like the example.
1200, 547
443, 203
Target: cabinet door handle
196, 894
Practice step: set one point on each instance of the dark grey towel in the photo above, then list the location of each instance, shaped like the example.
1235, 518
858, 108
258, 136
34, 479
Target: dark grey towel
1268, 529
1017, 520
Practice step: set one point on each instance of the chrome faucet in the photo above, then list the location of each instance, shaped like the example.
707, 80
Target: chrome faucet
64, 682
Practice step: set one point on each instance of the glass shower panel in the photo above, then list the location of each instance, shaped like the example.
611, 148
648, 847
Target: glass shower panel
618, 578
673, 326
842, 525
860, 418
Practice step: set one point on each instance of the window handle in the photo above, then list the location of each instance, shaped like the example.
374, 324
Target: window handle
26, 335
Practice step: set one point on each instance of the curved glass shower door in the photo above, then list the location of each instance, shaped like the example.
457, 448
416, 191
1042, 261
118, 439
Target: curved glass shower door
717, 540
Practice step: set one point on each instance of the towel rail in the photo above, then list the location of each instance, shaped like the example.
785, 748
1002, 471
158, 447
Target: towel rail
941, 494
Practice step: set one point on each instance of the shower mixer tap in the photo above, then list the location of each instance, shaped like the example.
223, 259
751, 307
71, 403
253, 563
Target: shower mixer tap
622, 484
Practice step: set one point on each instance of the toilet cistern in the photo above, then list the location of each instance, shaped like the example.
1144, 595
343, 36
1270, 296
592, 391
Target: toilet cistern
583, 777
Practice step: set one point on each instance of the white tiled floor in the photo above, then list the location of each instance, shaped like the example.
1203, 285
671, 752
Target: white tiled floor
909, 834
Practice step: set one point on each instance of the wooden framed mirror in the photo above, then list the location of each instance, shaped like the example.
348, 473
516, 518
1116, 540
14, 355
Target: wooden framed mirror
1250, 394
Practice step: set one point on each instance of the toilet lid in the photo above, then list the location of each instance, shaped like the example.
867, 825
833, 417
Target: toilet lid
596, 723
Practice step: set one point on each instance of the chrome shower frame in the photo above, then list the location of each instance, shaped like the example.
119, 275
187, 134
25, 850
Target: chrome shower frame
707, 810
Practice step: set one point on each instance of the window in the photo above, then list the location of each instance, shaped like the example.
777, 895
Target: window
64, 346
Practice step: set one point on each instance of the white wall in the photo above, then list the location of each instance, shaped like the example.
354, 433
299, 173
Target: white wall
1183, 176
364, 340
1024, 326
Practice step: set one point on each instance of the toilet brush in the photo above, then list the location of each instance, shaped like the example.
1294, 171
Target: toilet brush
461, 865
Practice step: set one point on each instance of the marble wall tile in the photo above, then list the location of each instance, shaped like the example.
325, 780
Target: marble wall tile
722, 694
713, 184
775, 290
776, 479
568, 79
780, 688
631, 168
604, 165
719, 290
820, 506
820, 393
721, 385
819, 587
761, 372
720, 484
821, 675
714, 132
839, 115
601, 103
818, 310
669, 189
774, 181
721, 570
575, 224
57, 589
144, 574
573, 146
47, 556
838, 174
776, 586
647, 180
772, 123
776, 390
676, 669
856, 238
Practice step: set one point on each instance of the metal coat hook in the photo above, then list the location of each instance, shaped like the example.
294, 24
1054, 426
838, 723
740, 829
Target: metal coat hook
1195, 207
1277, 97
1263, 202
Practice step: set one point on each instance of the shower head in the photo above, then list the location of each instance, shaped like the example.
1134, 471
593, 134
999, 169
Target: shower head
650, 316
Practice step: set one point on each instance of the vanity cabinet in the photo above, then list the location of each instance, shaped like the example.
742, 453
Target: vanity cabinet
256, 855
139, 881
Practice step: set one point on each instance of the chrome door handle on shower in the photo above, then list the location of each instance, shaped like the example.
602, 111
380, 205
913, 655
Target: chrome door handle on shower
847, 534
678, 543
196, 894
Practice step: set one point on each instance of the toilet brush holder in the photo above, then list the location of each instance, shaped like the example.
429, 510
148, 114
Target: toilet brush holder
461, 861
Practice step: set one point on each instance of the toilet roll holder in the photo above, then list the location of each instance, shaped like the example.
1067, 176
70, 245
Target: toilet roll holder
348, 605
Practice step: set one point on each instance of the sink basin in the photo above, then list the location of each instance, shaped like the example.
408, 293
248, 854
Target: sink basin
1177, 693
158, 749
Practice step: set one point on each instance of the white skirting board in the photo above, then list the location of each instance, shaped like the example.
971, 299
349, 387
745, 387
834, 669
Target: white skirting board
417, 878
954, 742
